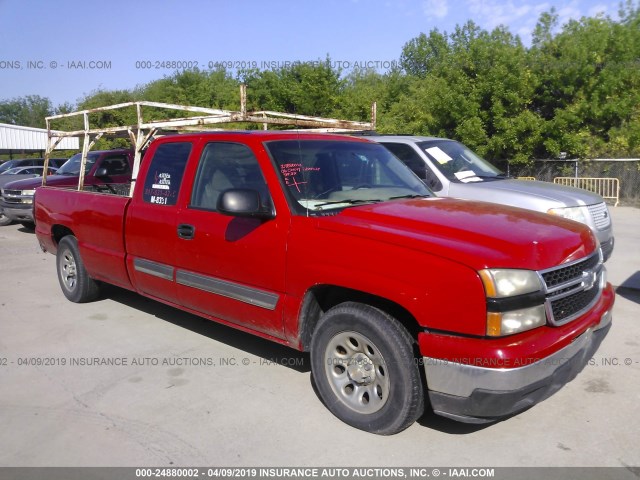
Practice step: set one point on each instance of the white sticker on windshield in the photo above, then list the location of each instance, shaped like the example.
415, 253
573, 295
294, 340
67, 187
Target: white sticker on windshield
439, 155
467, 176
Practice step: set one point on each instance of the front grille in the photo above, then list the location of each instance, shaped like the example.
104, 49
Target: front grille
561, 275
574, 304
600, 215
572, 289
12, 196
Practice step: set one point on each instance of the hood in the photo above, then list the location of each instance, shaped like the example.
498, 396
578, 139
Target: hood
476, 234
7, 179
52, 180
540, 196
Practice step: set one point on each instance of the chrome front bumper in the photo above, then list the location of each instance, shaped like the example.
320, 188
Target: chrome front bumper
473, 394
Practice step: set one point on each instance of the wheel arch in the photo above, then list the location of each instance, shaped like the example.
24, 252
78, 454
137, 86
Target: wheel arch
58, 232
320, 298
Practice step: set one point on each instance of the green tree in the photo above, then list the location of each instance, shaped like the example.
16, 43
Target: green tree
361, 88
589, 88
215, 89
28, 111
304, 88
472, 85
425, 54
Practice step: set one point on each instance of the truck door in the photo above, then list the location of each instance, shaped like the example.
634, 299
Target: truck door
150, 229
229, 267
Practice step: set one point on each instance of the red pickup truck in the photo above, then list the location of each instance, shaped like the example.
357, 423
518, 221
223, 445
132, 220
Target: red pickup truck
329, 244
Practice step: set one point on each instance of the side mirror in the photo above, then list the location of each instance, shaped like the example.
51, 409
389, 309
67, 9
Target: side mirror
101, 172
243, 202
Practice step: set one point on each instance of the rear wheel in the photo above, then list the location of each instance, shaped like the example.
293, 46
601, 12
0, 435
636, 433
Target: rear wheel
365, 370
75, 282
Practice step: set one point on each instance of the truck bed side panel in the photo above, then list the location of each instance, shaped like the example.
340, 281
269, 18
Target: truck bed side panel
96, 220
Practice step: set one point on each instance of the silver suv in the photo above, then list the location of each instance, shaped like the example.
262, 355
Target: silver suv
451, 169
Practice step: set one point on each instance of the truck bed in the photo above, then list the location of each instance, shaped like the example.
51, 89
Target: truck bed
97, 219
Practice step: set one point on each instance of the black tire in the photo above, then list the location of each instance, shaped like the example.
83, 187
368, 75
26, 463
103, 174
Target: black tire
74, 280
4, 220
364, 369
28, 225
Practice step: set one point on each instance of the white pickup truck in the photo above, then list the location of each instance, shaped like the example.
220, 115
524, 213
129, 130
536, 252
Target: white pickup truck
451, 169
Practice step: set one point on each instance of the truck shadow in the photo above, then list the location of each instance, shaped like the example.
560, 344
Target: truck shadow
630, 288
446, 425
266, 349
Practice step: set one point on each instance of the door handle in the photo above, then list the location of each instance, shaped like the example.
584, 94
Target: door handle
186, 231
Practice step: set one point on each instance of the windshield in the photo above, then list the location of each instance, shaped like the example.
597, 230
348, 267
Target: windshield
72, 166
21, 170
7, 165
458, 163
327, 174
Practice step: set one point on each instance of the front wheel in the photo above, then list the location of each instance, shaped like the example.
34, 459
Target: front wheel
75, 282
4, 220
364, 368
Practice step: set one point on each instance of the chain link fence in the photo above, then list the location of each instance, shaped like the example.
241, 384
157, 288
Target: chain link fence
627, 171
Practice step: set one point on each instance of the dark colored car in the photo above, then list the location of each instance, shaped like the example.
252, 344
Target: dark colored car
31, 162
19, 173
104, 170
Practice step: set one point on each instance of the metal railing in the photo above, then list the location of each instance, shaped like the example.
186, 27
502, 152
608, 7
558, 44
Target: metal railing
607, 188
147, 125
626, 170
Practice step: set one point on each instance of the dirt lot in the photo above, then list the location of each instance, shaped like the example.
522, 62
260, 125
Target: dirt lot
182, 391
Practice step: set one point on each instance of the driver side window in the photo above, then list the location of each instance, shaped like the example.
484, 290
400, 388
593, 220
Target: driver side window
224, 166
411, 159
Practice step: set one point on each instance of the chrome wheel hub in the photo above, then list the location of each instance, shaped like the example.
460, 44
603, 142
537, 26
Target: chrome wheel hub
361, 369
69, 271
357, 372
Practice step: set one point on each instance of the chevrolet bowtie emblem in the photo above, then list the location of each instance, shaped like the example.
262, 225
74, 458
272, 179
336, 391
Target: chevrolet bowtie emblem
589, 279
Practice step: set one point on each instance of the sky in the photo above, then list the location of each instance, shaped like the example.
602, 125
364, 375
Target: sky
66, 49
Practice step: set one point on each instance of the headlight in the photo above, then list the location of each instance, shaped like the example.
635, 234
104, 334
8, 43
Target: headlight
515, 321
578, 214
501, 282
514, 315
28, 192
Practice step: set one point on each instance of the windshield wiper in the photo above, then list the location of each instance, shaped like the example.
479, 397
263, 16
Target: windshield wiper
348, 201
414, 195
500, 176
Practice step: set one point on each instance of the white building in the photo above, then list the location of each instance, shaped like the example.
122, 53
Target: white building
16, 140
